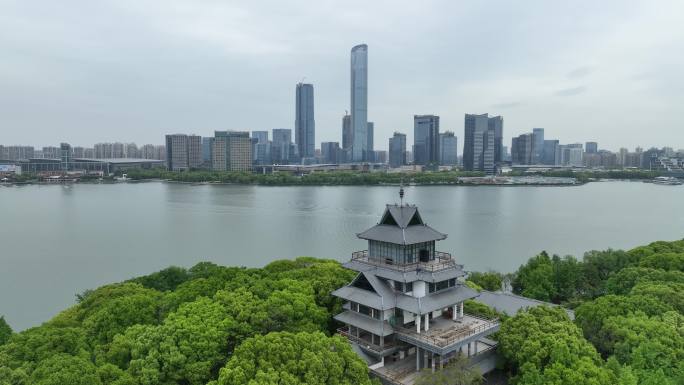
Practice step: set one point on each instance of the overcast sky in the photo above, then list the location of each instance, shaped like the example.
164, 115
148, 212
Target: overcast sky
86, 71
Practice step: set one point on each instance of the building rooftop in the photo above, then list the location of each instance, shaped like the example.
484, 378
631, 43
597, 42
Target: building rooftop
402, 225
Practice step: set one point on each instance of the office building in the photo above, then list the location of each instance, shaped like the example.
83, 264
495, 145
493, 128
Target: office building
260, 136
305, 125
571, 155
207, 148
380, 156
282, 146
370, 151
496, 123
591, 147
522, 149
359, 102
478, 146
537, 145
330, 152
448, 149
232, 151
550, 155
426, 139
183, 152
397, 150
51, 152
66, 156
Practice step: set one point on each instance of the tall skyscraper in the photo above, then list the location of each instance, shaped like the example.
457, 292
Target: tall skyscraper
550, 153
537, 145
591, 147
425, 139
66, 156
478, 146
496, 122
305, 125
282, 141
397, 150
448, 149
370, 152
232, 151
260, 136
359, 101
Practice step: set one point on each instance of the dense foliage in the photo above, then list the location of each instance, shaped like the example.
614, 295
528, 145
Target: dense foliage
629, 318
312, 179
182, 326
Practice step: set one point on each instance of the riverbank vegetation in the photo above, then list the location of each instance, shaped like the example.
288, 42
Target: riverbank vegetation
214, 325
589, 175
324, 178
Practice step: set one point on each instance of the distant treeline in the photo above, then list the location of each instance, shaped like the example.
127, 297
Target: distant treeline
324, 178
588, 175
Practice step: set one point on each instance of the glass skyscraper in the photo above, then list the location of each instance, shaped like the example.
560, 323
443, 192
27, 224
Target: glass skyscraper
359, 101
304, 121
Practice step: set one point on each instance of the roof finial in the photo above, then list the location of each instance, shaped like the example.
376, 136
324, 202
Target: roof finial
401, 191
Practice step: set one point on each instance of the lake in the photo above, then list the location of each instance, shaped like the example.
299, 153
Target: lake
56, 241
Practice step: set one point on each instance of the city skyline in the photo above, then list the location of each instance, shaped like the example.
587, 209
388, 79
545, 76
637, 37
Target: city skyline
232, 80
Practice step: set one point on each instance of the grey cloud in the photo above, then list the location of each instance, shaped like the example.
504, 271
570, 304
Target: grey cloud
579, 72
506, 105
571, 91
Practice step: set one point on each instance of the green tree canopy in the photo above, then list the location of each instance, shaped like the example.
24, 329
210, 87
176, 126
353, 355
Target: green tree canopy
294, 358
5, 331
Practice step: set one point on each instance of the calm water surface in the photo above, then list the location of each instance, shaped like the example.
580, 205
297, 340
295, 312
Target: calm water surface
57, 241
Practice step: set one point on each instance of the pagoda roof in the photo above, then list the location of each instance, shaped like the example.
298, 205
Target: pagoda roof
402, 225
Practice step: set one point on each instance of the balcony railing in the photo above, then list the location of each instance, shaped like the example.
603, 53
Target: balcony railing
440, 262
368, 345
453, 337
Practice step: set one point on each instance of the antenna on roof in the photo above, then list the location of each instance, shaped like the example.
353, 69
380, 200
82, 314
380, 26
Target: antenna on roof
401, 191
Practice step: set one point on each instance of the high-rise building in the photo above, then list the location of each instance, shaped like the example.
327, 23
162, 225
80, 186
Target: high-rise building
571, 155
78, 152
17, 152
370, 152
550, 152
183, 152
232, 151
397, 150
305, 125
478, 146
425, 139
380, 156
347, 133
282, 143
496, 123
330, 152
537, 145
359, 101
522, 149
260, 136
131, 151
51, 152
591, 147
448, 149
66, 156
207, 147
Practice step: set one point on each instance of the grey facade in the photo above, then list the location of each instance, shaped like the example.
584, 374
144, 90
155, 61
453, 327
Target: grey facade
448, 149
537, 145
330, 152
591, 147
282, 145
397, 150
370, 133
183, 152
522, 149
496, 123
359, 101
305, 126
479, 144
425, 139
550, 155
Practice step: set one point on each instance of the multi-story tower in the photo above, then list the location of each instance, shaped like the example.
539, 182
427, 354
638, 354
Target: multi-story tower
305, 125
232, 151
370, 152
17, 152
522, 149
359, 101
448, 148
496, 123
330, 152
397, 150
176, 152
282, 140
549, 154
478, 146
404, 309
425, 139
591, 147
66, 156
537, 145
